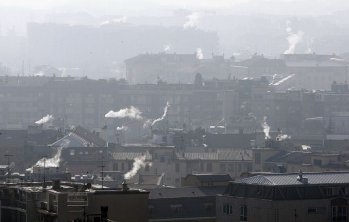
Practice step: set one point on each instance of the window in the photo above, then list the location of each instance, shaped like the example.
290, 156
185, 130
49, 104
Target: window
177, 209
222, 167
317, 210
276, 215
129, 166
122, 167
317, 162
227, 209
162, 159
72, 152
339, 214
243, 213
115, 167
209, 207
231, 168
328, 191
151, 209
239, 167
177, 167
311, 210
257, 157
209, 167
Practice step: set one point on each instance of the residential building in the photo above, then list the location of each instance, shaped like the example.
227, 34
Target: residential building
184, 204
286, 197
61, 202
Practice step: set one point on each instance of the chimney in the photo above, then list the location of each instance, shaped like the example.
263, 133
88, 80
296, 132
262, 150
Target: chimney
302, 179
124, 186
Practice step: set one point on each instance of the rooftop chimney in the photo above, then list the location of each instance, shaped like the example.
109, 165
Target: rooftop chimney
302, 179
124, 186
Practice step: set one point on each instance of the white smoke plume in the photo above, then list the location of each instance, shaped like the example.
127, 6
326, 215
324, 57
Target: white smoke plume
167, 48
282, 137
309, 46
192, 20
122, 19
147, 124
139, 162
199, 54
53, 161
164, 115
122, 128
132, 113
266, 128
306, 147
44, 120
293, 39
283, 80
48, 162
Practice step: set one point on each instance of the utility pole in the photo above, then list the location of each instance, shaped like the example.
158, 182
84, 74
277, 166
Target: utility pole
8, 156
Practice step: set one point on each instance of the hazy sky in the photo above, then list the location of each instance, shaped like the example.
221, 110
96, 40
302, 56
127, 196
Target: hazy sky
144, 6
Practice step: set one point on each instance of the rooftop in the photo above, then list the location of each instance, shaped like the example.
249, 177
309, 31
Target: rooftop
212, 177
185, 192
236, 155
291, 179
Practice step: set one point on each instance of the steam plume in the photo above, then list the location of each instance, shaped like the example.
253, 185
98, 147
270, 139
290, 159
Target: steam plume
51, 162
192, 20
282, 137
199, 54
309, 45
132, 113
167, 48
122, 19
122, 128
306, 147
44, 120
164, 115
266, 128
283, 80
293, 39
139, 162
147, 124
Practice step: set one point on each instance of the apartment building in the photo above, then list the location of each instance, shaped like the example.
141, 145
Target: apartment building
286, 197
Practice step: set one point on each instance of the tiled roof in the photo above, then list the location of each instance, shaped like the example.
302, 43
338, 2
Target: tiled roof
129, 155
91, 137
295, 157
150, 179
291, 179
237, 155
72, 140
213, 177
236, 141
185, 192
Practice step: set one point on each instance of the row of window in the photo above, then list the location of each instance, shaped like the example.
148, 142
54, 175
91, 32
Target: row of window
339, 213
228, 210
